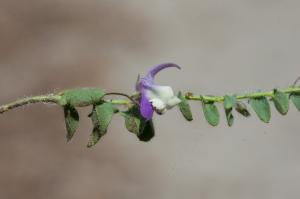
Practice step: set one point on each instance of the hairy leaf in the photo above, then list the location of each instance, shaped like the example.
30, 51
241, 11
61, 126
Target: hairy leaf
185, 108
281, 102
81, 97
261, 107
101, 117
133, 120
71, 120
136, 124
211, 113
94, 137
104, 114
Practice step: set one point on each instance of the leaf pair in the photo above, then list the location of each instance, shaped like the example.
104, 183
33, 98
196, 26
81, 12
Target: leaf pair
210, 110
136, 124
101, 116
262, 108
212, 115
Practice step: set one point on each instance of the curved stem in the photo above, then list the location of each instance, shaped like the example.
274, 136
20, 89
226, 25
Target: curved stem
296, 81
121, 94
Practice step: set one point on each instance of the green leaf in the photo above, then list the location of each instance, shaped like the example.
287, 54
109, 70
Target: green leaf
229, 116
81, 97
295, 97
211, 113
261, 107
185, 108
241, 108
229, 101
104, 113
136, 124
71, 120
94, 137
133, 120
96, 133
281, 102
101, 117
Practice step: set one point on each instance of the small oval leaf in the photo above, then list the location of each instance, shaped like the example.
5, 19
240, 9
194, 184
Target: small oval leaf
71, 120
104, 113
185, 108
211, 113
295, 97
229, 116
261, 107
229, 101
132, 120
81, 97
281, 102
94, 137
96, 133
241, 108
101, 117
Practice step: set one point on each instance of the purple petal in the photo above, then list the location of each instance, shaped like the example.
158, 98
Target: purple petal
146, 107
144, 83
137, 84
160, 67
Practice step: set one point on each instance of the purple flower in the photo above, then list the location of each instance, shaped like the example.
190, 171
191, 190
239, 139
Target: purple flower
155, 97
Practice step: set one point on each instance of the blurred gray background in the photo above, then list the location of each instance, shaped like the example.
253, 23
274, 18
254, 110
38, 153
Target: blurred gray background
223, 47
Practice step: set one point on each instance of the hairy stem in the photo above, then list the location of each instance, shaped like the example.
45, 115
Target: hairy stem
30, 100
51, 98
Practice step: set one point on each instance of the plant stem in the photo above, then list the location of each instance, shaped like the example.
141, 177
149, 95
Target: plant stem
51, 98
30, 100
242, 96
121, 94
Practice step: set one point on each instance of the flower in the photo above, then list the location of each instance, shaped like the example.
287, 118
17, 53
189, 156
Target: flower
155, 97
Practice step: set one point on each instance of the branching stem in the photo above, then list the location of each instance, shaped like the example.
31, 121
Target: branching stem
52, 98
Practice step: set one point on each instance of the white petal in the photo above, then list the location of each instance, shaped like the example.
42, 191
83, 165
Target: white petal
158, 104
162, 92
162, 98
173, 102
